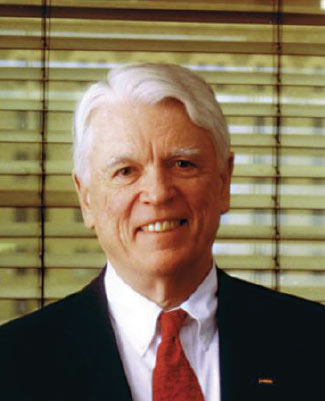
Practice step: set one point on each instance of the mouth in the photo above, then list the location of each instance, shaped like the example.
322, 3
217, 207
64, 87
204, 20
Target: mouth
163, 226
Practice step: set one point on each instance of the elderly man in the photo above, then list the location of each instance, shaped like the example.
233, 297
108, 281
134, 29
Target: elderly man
152, 171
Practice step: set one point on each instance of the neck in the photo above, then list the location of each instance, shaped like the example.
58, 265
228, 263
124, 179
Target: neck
168, 290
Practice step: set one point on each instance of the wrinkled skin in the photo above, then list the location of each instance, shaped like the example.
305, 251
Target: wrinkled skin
151, 163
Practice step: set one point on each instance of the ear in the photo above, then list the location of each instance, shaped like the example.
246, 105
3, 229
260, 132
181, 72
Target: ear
84, 200
226, 179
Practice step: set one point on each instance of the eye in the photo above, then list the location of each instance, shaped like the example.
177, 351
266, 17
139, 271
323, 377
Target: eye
125, 171
125, 175
184, 164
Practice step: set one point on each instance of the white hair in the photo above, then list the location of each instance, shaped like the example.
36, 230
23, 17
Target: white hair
149, 83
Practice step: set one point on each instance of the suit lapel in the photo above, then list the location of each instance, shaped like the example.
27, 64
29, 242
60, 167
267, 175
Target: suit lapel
93, 334
244, 359
232, 381
240, 366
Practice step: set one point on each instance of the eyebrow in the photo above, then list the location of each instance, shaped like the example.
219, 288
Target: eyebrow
113, 161
188, 151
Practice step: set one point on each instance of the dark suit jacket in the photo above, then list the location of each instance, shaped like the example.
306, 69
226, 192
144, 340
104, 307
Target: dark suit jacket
271, 348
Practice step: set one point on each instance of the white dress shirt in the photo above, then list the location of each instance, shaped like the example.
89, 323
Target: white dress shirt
134, 319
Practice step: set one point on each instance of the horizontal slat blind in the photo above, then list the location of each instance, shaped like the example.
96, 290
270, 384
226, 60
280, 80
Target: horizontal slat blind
266, 64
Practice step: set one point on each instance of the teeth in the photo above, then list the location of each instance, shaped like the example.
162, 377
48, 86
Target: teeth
161, 226
151, 227
166, 225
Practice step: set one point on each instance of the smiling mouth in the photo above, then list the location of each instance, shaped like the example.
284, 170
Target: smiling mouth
162, 226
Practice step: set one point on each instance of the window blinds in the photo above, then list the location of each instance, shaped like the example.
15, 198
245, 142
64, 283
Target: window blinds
266, 63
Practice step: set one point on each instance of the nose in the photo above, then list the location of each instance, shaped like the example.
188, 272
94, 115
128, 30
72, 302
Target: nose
157, 187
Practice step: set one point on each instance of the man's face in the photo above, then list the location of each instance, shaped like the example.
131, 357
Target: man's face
155, 194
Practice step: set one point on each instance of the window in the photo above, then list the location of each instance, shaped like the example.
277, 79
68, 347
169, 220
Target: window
266, 62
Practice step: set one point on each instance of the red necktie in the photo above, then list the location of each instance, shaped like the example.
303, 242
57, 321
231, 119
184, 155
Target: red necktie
173, 379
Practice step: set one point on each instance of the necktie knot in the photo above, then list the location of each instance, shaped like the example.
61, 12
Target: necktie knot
171, 323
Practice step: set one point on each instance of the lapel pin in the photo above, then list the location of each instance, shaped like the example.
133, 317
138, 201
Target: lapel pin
265, 380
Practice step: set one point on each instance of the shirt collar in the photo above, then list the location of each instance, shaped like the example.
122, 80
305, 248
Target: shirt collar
135, 316
202, 307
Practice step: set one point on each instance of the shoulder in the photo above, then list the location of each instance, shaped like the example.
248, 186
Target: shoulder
54, 315
236, 287
268, 307
38, 353
54, 320
50, 344
264, 332
271, 325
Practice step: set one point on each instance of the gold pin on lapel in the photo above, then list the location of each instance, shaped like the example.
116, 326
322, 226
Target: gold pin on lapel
265, 380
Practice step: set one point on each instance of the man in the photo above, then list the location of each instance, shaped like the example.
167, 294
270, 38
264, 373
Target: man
152, 171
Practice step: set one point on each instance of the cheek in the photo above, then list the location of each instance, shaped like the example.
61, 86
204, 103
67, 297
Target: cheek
204, 198
112, 210
207, 209
102, 207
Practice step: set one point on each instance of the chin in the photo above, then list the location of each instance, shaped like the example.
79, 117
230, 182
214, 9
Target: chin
168, 263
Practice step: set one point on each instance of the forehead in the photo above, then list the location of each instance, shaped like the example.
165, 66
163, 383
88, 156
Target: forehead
165, 123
